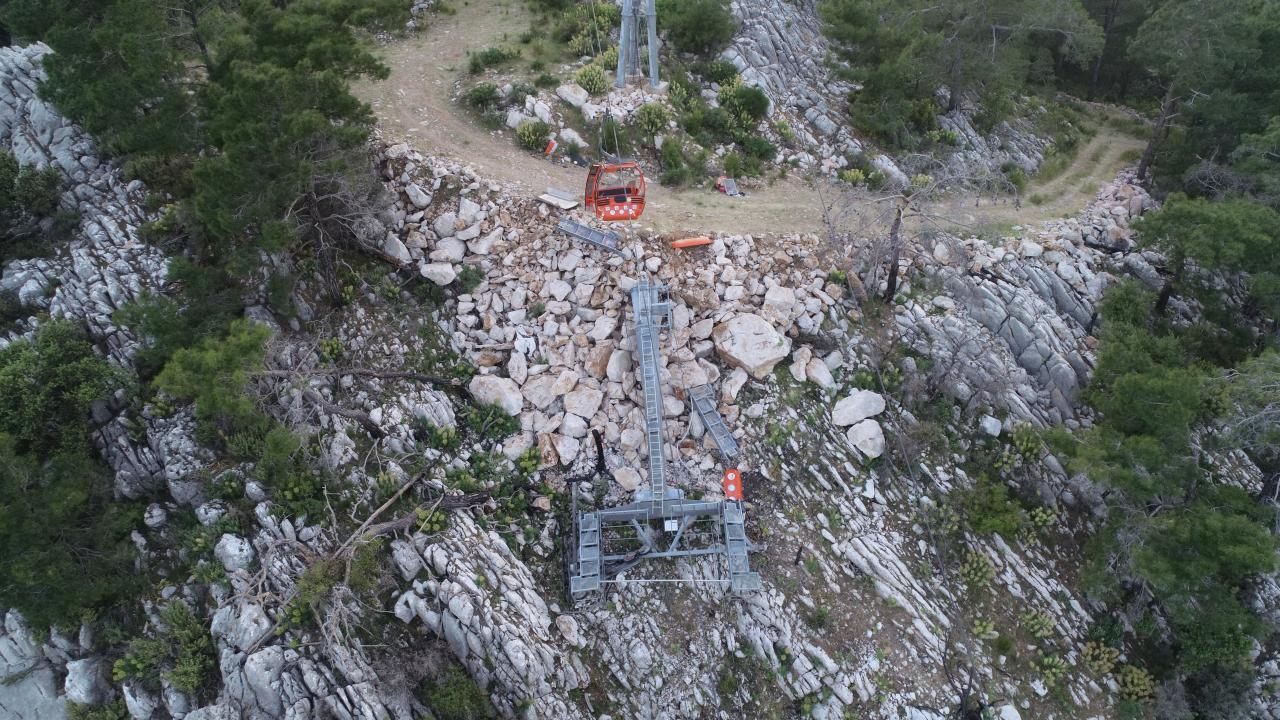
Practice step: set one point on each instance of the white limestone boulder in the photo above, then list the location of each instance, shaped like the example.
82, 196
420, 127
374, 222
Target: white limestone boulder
857, 407
500, 391
750, 342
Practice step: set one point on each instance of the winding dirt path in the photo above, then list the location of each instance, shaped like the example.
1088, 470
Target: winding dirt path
415, 104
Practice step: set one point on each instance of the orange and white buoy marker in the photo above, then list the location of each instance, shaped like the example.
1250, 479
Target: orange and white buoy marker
732, 484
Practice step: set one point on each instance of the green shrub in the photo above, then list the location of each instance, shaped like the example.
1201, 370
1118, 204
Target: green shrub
182, 652
519, 92
1037, 623
746, 100
617, 141
676, 170
64, 543
718, 71
215, 375
977, 571
582, 44
456, 697
490, 421
37, 191
592, 79
1017, 177
608, 60
652, 119
734, 165
50, 385
697, 26
760, 148
1099, 658
1052, 669
533, 135
989, 510
491, 57
546, 80
1135, 683
483, 96
115, 710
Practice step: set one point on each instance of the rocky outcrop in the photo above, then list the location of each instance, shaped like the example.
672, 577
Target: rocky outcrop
1016, 317
781, 48
103, 267
31, 690
485, 603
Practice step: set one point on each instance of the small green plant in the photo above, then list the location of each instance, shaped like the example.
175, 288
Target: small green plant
545, 80
441, 438
1016, 176
491, 421
1135, 683
432, 522
330, 350
1099, 658
537, 309
984, 629
592, 79
853, 176
1037, 623
1052, 669
470, 277
533, 135
1027, 442
938, 136
182, 649
784, 131
1043, 518
529, 461
977, 571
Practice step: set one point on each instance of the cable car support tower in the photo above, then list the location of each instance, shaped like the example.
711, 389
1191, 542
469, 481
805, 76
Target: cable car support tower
660, 522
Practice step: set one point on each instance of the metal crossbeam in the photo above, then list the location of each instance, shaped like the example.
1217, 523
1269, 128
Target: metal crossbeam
703, 400
603, 239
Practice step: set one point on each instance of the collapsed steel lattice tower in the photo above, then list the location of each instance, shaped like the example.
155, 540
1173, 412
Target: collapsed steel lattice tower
659, 522
629, 41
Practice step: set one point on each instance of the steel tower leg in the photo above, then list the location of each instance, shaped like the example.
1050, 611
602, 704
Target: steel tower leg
624, 44
652, 14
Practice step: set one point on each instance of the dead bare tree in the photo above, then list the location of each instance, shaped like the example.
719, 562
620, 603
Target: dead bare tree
872, 235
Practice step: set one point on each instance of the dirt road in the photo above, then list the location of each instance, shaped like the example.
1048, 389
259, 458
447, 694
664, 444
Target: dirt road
416, 104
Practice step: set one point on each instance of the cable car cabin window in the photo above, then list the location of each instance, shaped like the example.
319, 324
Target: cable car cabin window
618, 183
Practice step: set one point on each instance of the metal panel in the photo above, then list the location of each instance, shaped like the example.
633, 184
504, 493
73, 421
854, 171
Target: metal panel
703, 400
602, 239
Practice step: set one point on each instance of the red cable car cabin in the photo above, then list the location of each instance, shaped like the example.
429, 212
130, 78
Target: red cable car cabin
615, 190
